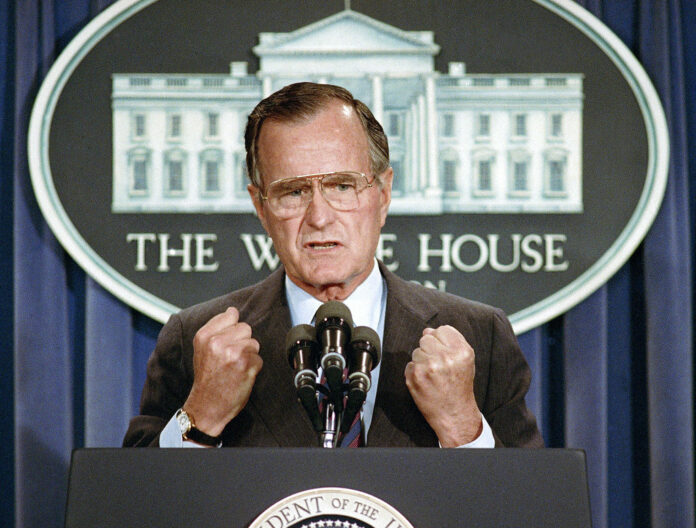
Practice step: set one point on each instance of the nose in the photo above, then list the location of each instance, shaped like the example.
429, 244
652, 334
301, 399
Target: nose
319, 211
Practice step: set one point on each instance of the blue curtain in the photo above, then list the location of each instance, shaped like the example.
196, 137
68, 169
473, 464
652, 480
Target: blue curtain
613, 376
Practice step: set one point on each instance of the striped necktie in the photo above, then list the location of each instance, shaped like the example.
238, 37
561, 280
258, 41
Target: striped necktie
354, 437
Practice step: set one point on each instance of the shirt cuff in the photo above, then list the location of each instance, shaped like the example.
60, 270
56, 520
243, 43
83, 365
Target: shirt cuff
484, 440
171, 436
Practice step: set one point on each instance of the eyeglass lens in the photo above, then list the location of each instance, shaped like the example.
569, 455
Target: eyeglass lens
340, 190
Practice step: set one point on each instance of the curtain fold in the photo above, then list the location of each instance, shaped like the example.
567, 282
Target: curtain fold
108, 368
586, 393
7, 140
42, 355
668, 285
613, 376
532, 346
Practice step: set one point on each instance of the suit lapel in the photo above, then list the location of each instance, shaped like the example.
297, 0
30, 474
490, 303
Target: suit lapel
396, 421
273, 398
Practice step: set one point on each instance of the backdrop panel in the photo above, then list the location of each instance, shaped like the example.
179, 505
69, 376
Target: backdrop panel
613, 376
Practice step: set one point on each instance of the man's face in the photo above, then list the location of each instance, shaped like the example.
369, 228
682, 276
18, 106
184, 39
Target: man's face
326, 252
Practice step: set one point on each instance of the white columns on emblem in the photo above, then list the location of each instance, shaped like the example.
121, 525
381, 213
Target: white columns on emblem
267, 86
433, 188
378, 99
422, 144
415, 158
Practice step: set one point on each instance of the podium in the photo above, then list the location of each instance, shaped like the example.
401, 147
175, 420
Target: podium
229, 488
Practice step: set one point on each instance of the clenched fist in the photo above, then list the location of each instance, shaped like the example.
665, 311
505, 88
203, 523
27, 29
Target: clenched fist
440, 378
226, 362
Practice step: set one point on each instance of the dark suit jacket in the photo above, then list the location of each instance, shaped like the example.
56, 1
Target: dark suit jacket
273, 416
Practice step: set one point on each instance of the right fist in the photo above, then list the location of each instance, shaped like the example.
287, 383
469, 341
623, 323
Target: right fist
226, 362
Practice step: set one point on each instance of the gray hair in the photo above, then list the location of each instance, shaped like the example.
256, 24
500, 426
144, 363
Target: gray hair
302, 101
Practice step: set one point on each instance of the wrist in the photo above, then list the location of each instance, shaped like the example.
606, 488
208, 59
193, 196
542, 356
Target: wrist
457, 432
205, 418
190, 431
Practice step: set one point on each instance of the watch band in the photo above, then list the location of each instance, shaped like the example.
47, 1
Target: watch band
200, 437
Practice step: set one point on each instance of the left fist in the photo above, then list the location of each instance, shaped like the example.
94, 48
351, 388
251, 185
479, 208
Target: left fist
440, 378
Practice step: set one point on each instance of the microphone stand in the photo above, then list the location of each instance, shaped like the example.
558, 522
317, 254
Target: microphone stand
328, 437
345, 385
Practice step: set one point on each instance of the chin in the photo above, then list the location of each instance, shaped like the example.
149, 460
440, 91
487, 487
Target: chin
322, 278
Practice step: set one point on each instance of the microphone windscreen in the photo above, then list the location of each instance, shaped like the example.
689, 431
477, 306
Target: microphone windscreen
303, 332
333, 309
298, 334
365, 334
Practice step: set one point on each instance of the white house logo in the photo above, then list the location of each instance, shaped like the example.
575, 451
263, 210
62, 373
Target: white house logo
331, 508
459, 142
530, 159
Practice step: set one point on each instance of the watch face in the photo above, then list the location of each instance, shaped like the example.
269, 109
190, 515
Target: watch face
184, 422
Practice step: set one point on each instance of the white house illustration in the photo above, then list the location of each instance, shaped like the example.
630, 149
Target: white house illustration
459, 142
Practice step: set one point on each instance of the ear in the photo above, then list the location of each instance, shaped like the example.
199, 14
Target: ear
385, 192
255, 195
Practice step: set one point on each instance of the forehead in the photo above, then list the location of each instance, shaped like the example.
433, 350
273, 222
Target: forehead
331, 140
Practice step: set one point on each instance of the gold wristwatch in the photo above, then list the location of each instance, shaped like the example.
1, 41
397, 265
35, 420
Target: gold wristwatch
190, 432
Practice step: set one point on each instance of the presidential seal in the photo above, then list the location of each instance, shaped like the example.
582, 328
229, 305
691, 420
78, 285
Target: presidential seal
331, 508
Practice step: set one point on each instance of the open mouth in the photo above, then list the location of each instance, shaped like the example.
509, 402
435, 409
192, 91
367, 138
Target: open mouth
322, 245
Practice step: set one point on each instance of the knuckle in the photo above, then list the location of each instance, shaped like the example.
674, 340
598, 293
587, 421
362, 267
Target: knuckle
425, 340
453, 365
256, 365
216, 342
249, 362
467, 354
201, 336
242, 363
246, 352
243, 330
421, 372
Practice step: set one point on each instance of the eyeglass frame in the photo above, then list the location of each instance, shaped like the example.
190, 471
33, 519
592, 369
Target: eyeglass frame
320, 176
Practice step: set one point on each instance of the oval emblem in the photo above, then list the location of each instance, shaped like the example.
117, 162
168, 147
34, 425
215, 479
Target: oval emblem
530, 159
331, 508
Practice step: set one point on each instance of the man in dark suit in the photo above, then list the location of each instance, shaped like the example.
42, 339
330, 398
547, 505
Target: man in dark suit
451, 374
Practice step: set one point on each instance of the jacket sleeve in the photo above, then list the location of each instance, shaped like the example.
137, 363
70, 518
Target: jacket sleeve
167, 385
509, 377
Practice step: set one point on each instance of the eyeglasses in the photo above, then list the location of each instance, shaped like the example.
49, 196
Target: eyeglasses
290, 197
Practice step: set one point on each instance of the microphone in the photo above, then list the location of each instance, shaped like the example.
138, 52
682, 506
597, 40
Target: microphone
303, 357
364, 354
333, 326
